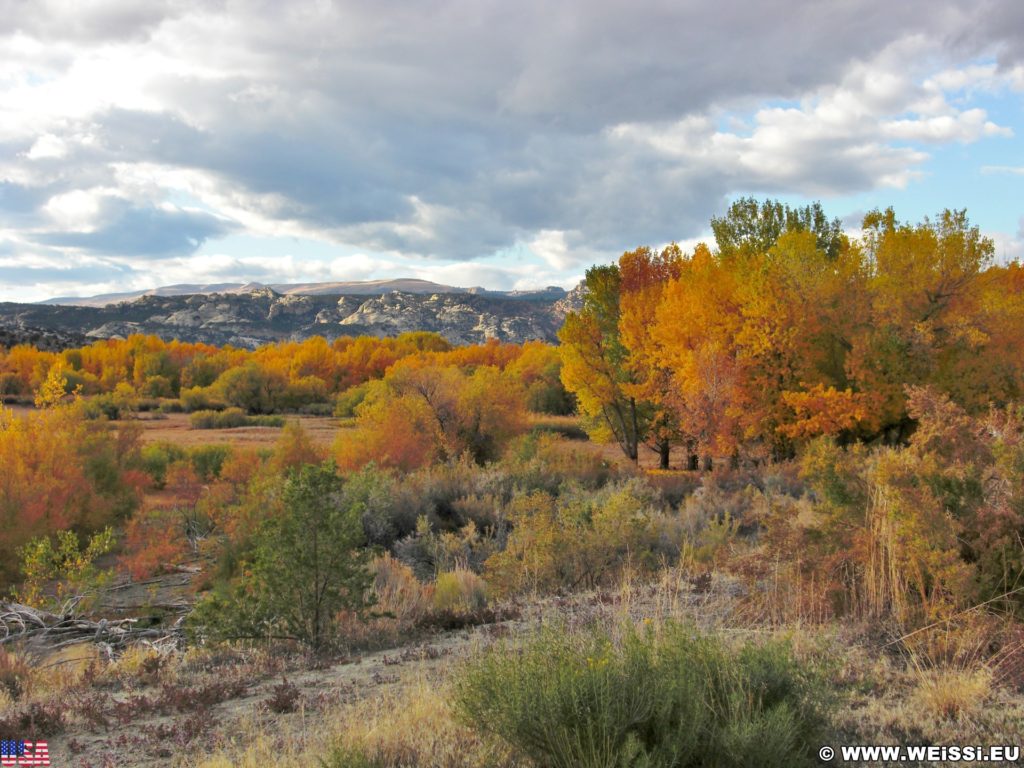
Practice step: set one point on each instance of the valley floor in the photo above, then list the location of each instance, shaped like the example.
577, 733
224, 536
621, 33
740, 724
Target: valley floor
216, 708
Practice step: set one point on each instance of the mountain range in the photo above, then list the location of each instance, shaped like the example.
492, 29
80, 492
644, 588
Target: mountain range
251, 314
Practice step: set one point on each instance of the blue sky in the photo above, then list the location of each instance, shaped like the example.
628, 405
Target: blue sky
476, 142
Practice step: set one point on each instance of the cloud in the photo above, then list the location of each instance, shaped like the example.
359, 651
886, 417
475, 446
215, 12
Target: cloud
1015, 170
127, 230
424, 136
1010, 247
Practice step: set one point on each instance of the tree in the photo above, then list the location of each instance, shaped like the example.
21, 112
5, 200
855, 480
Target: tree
755, 227
644, 277
423, 412
306, 566
595, 364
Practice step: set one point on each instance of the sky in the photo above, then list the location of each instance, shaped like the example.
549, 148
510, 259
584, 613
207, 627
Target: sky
479, 142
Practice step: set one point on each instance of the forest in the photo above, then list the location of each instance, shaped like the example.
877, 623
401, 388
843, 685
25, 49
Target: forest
763, 496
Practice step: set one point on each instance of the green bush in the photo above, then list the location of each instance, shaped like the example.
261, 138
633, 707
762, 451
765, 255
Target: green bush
200, 399
156, 458
231, 418
663, 696
459, 591
266, 421
208, 460
346, 403
226, 419
306, 566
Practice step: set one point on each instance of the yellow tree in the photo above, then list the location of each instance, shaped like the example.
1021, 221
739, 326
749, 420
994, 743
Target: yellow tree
694, 336
926, 324
644, 275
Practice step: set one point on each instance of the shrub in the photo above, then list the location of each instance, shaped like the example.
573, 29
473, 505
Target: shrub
208, 460
346, 403
200, 399
664, 696
306, 566
459, 591
230, 418
54, 574
154, 539
226, 419
284, 697
581, 538
155, 459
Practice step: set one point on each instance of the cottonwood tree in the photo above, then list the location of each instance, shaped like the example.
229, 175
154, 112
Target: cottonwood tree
596, 366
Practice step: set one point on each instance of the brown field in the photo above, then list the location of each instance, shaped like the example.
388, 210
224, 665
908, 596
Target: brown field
177, 429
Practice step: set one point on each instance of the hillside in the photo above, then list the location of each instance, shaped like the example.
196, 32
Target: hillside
262, 314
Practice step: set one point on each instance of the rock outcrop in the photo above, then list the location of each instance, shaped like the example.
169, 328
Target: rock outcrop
263, 315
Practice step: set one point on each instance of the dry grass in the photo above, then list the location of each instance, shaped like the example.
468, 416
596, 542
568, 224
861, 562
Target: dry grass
26, 679
176, 428
408, 726
399, 593
952, 694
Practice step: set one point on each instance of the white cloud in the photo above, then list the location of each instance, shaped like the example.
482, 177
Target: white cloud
1011, 169
461, 130
47, 146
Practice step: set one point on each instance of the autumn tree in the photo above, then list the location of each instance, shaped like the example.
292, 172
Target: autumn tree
61, 472
595, 364
644, 275
422, 413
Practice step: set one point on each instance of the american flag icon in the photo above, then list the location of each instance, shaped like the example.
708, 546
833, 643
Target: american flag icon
15, 752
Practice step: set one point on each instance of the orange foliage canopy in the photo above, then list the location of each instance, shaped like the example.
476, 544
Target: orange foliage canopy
799, 332
57, 472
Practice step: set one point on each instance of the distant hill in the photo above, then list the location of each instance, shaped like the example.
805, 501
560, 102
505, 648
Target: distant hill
247, 315
353, 288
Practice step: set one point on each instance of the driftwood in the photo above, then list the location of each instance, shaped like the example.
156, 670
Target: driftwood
45, 630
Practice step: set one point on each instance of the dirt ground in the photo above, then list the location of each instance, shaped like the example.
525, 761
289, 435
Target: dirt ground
154, 739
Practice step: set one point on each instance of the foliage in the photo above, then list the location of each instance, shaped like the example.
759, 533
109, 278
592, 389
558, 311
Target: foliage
424, 413
230, 418
665, 697
62, 472
790, 331
65, 564
306, 565
459, 591
596, 366
154, 539
579, 539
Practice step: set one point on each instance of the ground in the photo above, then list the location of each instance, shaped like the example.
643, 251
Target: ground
149, 715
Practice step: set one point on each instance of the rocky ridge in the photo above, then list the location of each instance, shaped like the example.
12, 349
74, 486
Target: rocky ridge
263, 315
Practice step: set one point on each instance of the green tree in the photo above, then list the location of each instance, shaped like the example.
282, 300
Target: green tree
756, 227
306, 566
595, 364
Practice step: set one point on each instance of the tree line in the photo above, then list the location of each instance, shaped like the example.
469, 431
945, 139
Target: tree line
789, 329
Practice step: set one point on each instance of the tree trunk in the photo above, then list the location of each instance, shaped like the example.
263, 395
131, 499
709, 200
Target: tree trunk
663, 453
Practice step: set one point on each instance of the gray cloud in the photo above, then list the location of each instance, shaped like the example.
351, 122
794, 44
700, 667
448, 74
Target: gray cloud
72, 276
145, 232
459, 128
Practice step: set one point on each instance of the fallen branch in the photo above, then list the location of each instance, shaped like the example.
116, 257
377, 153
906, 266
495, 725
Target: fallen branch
41, 628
